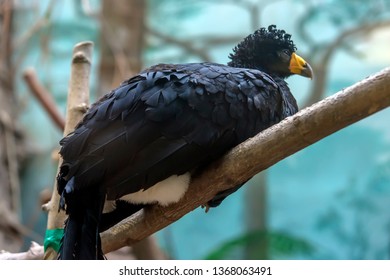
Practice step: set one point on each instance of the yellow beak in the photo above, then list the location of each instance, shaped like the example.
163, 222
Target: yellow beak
300, 67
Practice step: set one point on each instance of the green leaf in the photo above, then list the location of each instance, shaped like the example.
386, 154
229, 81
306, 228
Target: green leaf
278, 244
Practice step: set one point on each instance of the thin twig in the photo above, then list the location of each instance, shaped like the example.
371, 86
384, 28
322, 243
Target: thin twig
13, 166
187, 45
44, 97
32, 29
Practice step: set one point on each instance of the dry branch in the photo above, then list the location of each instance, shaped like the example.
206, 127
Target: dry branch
321, 65
186, 45
78, 100
35, 252
258, 153
44, 97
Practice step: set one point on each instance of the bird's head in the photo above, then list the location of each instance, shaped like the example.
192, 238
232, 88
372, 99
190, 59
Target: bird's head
270, 50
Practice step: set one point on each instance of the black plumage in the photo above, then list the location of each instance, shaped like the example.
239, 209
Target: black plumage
169, 120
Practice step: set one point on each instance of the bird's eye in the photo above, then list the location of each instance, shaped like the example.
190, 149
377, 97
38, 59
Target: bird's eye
284, 55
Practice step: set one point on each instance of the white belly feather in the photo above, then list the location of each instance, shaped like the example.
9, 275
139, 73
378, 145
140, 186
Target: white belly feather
164, 193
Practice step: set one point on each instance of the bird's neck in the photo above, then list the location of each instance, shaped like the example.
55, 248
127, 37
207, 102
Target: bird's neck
240, 64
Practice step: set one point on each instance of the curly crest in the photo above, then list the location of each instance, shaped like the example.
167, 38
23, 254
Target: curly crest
258, 45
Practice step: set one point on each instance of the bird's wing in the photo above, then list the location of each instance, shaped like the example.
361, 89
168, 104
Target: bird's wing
167, 120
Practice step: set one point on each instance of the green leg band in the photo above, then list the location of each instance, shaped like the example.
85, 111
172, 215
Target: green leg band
53, 239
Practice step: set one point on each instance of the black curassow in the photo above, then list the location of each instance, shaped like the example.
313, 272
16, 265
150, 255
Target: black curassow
140, 143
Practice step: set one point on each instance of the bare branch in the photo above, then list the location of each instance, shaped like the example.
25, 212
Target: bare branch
44, 97
187, 45
321, 66
78, 98
9, 165
216, 39
35, 252
259, 153
41, 23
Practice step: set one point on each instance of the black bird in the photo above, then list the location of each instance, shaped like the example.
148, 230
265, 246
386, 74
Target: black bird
140, 143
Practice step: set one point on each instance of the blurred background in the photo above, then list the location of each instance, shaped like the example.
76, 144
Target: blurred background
329, 201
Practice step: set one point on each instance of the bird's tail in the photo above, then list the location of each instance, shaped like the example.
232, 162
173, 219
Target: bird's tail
81, 240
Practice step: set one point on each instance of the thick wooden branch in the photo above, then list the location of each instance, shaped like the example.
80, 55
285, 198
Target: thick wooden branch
78, 100
258, 153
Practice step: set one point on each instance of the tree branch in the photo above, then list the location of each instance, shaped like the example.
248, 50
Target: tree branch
321, 66
35, 252
44, 97
186, 45
258, 153
78, 100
